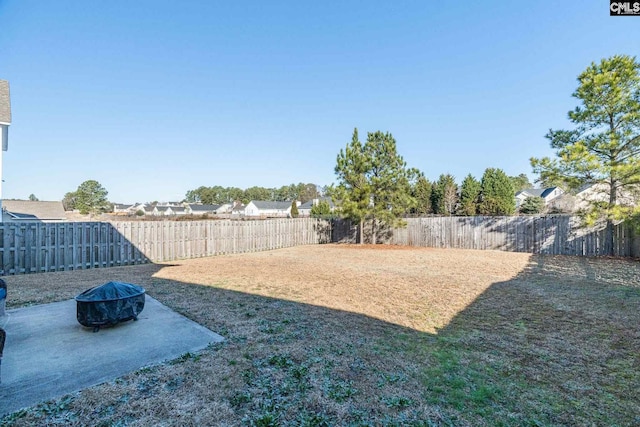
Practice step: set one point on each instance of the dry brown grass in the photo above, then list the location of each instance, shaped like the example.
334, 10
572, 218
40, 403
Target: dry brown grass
350, 335
420, 289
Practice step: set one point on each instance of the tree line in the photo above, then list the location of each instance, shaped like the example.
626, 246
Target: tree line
376, 186
602, 152
217, 195
493, 194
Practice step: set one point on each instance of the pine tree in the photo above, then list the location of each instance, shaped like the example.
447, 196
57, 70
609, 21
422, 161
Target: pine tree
496, 195
353, 191
532, 205
603, 150
421, 192
91, 197
444, 195
520, 182
321, 209
390, 182
374, 182
469, 196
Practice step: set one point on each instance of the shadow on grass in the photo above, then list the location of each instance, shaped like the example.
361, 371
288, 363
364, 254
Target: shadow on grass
556, 345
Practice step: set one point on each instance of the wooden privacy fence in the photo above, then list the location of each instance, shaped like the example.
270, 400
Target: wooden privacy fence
43, 247
551, 234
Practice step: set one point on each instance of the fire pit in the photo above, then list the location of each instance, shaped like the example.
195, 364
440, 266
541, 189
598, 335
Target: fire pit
109, 304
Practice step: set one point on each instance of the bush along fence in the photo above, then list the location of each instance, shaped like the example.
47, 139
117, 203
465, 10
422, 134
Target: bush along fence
551, 234
44, 247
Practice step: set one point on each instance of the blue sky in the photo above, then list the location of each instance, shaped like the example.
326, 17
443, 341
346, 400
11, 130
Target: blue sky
154, 98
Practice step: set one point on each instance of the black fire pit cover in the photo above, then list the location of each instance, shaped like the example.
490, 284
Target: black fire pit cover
109, 304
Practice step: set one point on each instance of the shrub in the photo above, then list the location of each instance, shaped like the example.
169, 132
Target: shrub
532, 205
321, 209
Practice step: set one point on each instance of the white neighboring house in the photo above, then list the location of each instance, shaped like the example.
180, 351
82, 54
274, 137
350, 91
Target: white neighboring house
124, 209
585, 195
166, 209
119, 208
547, 194
171, 204
224, 208
262, 209
127, 209
147, 208
163, 211
32, 211
196, 209
5, 121
237, 210
305, 208
179, 210
600, 193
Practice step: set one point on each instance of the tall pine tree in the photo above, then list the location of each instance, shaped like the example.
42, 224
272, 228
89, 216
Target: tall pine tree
421, 192
444, 195
353, 192
603, 150
390, 182
373, 182
469, 196
91, 198
496, 195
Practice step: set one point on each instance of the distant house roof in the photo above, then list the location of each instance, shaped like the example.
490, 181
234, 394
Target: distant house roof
548, 191
271, 205
122, 206
5, 104
536, 192
309, 204
33, 211
204, 208
177, 209
531, 192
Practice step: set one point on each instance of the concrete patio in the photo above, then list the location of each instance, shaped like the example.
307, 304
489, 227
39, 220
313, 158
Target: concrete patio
49, 354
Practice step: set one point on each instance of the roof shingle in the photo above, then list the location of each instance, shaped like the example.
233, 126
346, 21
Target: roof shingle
27, 209
260, 204
204, 208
